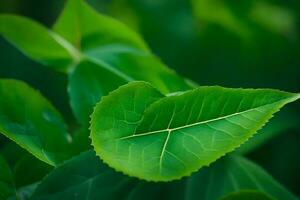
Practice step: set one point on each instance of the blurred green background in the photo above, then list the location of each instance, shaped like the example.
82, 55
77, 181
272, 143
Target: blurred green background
247, 43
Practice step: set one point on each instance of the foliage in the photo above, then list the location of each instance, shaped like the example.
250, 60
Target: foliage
141, 118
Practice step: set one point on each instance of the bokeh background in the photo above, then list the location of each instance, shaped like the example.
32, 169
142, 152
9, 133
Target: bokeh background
246, 43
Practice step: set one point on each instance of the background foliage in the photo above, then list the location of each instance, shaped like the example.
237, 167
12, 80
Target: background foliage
234, 44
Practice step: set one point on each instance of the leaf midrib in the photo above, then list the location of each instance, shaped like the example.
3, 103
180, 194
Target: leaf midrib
169, 130
78, 56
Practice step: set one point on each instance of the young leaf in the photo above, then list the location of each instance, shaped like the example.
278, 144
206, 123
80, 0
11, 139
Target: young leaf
28, 119
84, 28
37, 42
7, 187
233, 174
140, 132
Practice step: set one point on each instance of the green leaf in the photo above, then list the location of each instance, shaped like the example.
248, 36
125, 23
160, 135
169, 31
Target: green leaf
247, 195
7, 188
95, 78
86, 177
233, 174
83, 27
144, 134
87, 84
28, 119
29, 170
113, 56
37, 42
104, 54
26, 168
24, 193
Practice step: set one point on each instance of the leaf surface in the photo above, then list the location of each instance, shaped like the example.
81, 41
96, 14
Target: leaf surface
145, 134
86, 177
37, 42
230, 175
28, 119
113, 55
86, 29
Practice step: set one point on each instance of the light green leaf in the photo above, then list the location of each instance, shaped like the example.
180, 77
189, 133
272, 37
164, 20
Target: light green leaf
7, 187
28, 119
37, 42
86, 29
233, 174
144, 134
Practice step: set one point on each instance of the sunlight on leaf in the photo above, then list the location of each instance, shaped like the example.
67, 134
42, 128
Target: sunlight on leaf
138, 131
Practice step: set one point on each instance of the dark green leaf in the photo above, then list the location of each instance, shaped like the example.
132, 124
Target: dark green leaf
28, 119
24, 193
233, 174
140, 132
29, 170
7, 187
85, 177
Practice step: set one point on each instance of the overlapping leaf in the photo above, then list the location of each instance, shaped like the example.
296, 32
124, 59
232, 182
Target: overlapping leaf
140, 132
37, 42
85, 177
99, 53
234, 175
32, 122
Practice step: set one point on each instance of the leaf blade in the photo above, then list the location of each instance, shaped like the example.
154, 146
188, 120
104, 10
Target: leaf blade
32, 122
82, 26
233, 174
47, 48
185, 131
